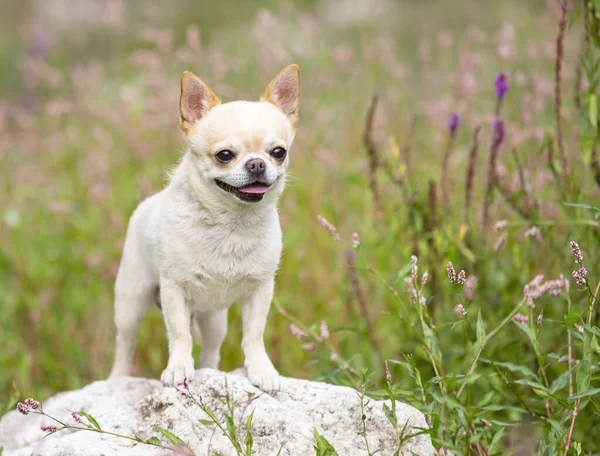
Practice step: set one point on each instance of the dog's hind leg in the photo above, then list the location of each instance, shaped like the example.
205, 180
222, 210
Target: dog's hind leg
213, 329
133, 298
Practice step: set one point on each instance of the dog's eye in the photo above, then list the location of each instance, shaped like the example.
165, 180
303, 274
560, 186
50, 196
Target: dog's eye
225, 156
278, 153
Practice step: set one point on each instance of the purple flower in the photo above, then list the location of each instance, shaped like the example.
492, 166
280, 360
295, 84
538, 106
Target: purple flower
499, 131
32, 403
454, 123
501, 85
22, 408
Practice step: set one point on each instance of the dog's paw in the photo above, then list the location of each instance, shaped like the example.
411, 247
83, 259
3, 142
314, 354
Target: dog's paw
178, 371
267, 378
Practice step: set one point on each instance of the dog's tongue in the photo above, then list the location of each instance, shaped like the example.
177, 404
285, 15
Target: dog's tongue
255, 188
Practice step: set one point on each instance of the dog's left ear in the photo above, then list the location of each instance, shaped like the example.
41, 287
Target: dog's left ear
284, 92
195, 101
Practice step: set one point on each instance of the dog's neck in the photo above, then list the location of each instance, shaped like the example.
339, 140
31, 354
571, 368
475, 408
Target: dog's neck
212, 209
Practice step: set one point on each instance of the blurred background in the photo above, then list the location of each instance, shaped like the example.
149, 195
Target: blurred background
88, 128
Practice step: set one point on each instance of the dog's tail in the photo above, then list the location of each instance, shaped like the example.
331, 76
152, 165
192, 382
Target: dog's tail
195, 329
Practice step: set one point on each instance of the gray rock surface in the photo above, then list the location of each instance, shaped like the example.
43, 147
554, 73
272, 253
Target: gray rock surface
284, 419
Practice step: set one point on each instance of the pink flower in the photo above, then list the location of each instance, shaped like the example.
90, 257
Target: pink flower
424, 278
576, 251
462, 277
297, 332
414, 269
308, 347
520, 318
32, 404
451, 272
580, 276
76, 417
470, 285
50, 428
22, 408
355, 240
324, 330
460, 311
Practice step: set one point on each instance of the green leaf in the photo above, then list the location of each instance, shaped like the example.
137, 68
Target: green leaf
560, 382
590, 392
513, 368
480, 328
583, 377
389, 414
170, 436
154, 441
206, 422
249, 439
527, 330
592, 329
431, 341
323, 447
232, 432
90, 418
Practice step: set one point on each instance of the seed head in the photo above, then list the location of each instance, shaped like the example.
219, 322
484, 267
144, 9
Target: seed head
499, 131
327, 225
451, 272
576, 251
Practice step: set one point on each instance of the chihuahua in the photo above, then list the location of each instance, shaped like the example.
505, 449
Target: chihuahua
212, 236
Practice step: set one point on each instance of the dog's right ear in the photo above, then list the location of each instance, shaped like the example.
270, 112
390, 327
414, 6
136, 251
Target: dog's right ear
195, 101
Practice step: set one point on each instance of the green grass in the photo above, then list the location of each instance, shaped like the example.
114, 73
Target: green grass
70, 182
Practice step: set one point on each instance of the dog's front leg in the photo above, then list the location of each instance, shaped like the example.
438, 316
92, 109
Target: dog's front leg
177, 320
255, 308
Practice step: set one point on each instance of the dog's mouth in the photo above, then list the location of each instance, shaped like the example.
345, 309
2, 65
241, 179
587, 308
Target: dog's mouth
251, 193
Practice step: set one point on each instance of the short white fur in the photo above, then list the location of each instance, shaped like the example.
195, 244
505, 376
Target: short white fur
200, 246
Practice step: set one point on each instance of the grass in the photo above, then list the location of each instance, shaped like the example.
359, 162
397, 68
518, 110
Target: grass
88, 129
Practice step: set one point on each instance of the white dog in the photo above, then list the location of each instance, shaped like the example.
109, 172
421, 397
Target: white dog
212, 236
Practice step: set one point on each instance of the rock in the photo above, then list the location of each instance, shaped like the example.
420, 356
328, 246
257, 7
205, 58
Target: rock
285, 419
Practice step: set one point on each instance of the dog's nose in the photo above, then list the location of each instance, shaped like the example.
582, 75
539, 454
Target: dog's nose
256, 165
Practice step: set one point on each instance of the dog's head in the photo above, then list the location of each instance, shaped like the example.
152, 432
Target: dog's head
240, 150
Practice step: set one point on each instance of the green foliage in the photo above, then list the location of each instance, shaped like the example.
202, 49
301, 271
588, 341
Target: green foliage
323, 447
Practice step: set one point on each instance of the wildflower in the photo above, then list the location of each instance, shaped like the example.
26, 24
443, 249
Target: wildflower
533, 232
355, 240
308, 347
520, 318
580, 276
414, 270
411, 290
501, 85
297, 332
327, 225
76, 417
422, 300
470, 285
536, 289
50, 428
500, 225
499, 131
32, 404
324, 330
576, 251
185, 383
424, 278
334, 356
462, 277
454, 123
486, 423
500, 242
22, 408
460, 311
451, 272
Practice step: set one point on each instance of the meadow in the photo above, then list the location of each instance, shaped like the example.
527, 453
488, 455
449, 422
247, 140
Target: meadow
432, 132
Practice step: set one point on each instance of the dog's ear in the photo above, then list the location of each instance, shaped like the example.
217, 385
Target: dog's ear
195, 101
284, 92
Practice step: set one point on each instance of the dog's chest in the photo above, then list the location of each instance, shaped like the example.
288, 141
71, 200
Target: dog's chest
217, 265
